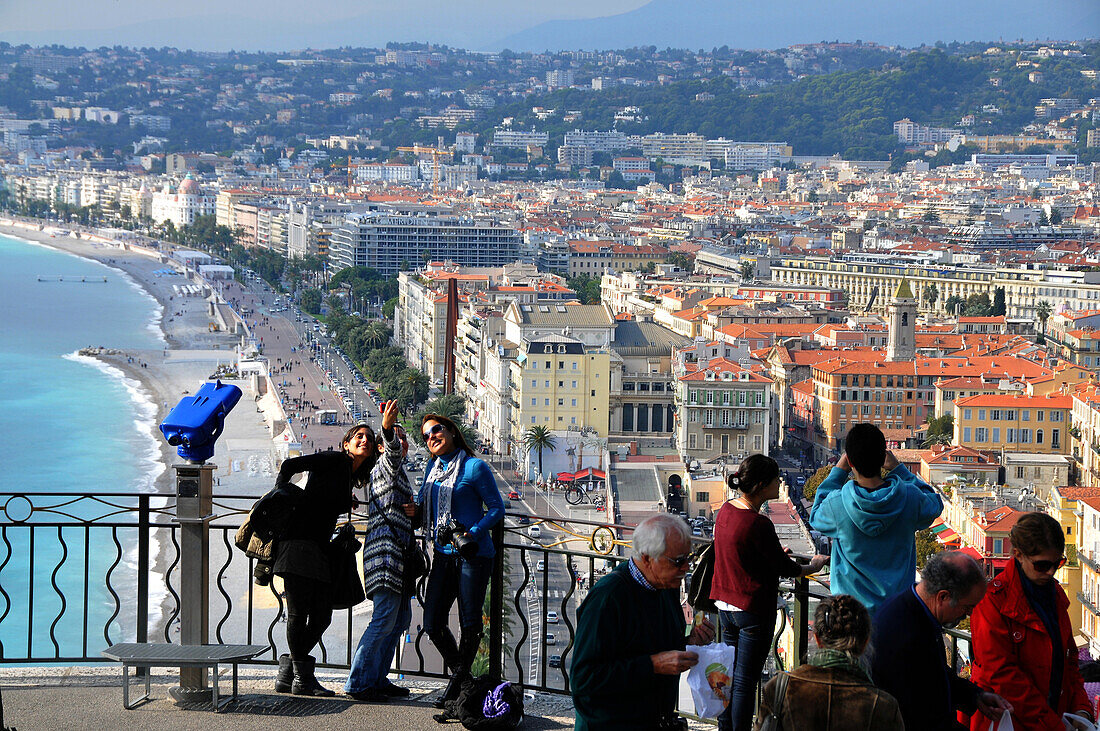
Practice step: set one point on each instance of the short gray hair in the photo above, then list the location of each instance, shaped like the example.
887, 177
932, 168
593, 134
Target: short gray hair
651, 535
954, 571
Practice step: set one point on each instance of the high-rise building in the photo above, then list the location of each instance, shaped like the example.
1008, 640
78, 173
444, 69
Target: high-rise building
559, 79
390, 244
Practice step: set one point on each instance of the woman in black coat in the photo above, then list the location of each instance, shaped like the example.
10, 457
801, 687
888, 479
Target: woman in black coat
302, 558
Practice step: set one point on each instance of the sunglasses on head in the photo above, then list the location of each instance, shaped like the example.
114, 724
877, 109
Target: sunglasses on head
680, 561
1044, 566
437, 429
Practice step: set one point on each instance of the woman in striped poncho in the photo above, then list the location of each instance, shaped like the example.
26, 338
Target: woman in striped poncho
389, 531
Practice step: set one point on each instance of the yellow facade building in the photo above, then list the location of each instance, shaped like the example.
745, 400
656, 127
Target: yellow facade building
1014, 423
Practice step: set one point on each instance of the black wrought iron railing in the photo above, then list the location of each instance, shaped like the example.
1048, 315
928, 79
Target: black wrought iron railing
79, 572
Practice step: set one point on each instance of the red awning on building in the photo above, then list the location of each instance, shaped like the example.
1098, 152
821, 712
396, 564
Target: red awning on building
565, 477
973, 553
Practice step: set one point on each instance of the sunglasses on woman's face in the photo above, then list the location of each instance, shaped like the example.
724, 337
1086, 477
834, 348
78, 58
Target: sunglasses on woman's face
1045, 566
433, 431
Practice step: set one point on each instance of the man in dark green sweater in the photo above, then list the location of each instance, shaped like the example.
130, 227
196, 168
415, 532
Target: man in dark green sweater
631, 634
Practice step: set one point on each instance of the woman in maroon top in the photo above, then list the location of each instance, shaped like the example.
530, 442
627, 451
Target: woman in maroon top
748, 562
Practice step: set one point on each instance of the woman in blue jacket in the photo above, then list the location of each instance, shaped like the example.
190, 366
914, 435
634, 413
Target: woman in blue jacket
458, 504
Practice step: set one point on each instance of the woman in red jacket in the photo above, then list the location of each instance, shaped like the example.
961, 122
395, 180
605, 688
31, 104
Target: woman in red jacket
1022, 637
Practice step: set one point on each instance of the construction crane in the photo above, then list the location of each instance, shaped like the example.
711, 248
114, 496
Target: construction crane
436, 154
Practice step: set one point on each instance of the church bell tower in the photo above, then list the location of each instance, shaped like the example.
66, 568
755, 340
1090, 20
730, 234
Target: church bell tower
902, 324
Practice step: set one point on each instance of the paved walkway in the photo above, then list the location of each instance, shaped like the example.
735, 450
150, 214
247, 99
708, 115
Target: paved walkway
91, 698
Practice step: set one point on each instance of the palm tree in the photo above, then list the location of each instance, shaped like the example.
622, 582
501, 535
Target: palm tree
538, 437
377, 334
1042, 311
931, 294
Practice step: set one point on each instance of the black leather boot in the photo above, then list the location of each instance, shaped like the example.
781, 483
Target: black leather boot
284, 681
467, 651
305, 682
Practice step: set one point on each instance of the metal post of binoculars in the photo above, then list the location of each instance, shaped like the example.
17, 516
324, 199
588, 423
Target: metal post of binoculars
193, 427
194, 511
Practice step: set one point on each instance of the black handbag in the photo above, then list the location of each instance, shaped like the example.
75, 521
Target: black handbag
702, 573
347, 585
271, 515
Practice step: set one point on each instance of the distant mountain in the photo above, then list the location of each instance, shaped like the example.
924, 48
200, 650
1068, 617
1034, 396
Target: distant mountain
779, 23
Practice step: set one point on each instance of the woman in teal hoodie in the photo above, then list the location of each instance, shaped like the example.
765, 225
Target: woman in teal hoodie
872, 519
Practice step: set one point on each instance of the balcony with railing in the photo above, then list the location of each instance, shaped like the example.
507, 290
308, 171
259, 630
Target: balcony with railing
80, 572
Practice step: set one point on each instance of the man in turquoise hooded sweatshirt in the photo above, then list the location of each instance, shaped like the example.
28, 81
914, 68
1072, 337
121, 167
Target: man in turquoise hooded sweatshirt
872, 519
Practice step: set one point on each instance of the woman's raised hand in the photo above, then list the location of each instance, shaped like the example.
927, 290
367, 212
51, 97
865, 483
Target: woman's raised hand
389, 416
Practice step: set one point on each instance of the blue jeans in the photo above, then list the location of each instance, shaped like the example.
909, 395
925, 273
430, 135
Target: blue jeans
389, 620
752, 635
451, 578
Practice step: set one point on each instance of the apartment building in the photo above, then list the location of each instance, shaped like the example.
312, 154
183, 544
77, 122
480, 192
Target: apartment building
950, 389
1014, 423
862, 279
724, 411
599, 141
1084, 432
390, 244
1074, 336
643, 394
1088, 556
518, 140
595, 257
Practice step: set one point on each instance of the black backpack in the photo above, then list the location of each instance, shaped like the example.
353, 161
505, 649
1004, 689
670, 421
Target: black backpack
477, 699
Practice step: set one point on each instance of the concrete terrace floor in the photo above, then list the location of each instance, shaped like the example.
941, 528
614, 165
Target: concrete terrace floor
91, 698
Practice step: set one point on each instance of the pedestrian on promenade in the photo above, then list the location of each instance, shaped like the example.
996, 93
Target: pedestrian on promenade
1022, 636
631, 635
388, 534
909, 661
748, 563
458, 504
832, 689
872, 519
302, 559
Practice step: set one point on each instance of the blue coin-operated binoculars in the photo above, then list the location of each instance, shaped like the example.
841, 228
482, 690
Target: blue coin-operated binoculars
196, 422
193, 427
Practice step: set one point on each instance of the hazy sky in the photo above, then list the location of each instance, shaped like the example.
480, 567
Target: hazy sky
52, 15
287, 25
218, 25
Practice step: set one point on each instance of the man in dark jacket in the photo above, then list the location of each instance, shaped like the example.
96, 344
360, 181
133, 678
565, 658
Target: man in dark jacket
629, 650
909, 661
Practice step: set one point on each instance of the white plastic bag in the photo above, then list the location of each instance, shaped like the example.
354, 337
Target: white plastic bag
1073, 722
1005, 724
711, 679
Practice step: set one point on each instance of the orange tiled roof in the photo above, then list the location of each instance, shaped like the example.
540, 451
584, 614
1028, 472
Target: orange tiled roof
1053, 401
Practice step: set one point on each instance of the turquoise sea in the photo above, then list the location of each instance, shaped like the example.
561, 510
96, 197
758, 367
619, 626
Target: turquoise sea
68, 424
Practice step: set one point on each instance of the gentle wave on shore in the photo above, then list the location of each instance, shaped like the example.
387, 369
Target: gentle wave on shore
150, 466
